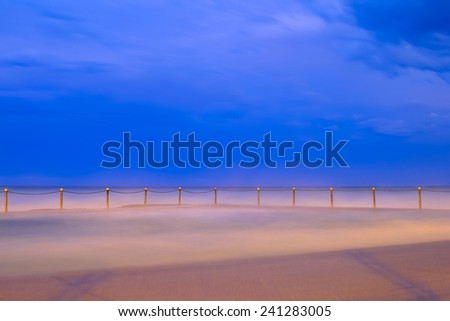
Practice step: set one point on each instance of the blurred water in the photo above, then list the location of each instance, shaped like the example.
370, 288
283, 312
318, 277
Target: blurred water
31, 198
45, 242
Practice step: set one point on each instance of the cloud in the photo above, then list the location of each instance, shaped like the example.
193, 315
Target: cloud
399, 127
421, 22
417, 123
143, 51
228, 69
404, 34
301, 58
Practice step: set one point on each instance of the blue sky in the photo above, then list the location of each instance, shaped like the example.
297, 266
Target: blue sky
75, 74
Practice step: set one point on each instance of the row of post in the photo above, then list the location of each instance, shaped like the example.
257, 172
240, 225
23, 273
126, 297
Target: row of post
258, 190
374, 197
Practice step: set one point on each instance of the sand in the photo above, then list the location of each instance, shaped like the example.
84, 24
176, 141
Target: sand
225, 253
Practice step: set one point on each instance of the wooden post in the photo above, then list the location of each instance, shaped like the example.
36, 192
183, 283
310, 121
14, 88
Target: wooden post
331, 197
145, 196
215, 195
179, 196
419, 195
107, 197
61, 198
293, 196
5, 200
374, 198
259, 196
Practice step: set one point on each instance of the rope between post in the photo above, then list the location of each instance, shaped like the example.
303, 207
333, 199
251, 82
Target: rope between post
32, 194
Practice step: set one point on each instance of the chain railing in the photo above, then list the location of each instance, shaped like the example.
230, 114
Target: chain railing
215, 191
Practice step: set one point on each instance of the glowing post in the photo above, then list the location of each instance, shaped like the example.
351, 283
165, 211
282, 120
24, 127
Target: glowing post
61, 198
419, 195
259, 196
374, 198
145, 196
293, 196
331, 197
107, 197
5, 200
